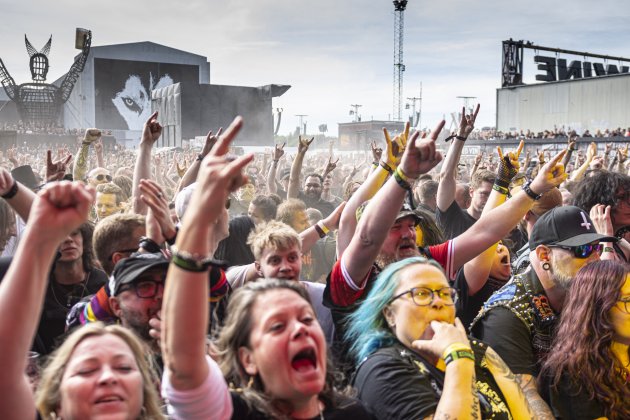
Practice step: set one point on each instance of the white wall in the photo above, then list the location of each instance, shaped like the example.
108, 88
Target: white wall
594, 103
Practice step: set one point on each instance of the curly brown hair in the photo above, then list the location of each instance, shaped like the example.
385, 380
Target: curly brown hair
582, 346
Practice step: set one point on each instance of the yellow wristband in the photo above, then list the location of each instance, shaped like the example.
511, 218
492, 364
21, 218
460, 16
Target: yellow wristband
402, 175
323, 227
455, 347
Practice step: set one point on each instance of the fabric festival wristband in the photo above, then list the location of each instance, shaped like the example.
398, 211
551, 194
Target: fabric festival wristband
402, 175
459, 354
500, 189
323, 227
12, 192
319, 230
401, 182
386, 167
453, 347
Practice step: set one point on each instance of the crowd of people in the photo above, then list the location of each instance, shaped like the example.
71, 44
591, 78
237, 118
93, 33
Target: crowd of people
555, 133
154, 284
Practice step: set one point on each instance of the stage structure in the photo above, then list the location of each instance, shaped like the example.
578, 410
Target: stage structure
40, 103
588, 93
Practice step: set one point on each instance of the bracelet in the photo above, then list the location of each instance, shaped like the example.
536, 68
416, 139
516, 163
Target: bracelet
12, 192
459, 354
276, 161
323, 227
171, 241
529, 191
461, 138
149, 244
500, 189
86, 143
191, 262
453, 347
200, 157
386, 167
402, 175
319, 230
401, 182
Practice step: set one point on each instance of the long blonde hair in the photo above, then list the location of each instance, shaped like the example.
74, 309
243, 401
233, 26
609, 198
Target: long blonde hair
48, 396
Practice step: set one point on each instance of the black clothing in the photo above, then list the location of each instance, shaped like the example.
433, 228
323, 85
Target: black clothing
467, 307
326, 207
346, 408
518, 322
567, 403
58, 301
454, 221
397, 383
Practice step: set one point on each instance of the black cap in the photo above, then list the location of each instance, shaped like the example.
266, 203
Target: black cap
129, 269
405, 210
567, 226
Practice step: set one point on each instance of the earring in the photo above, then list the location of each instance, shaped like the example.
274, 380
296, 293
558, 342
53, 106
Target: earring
250, 383
546, 266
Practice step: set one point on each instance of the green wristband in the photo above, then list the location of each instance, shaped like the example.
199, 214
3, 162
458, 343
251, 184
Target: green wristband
459, 354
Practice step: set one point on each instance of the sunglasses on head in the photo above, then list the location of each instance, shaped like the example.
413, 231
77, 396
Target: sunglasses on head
582, 251
101, 177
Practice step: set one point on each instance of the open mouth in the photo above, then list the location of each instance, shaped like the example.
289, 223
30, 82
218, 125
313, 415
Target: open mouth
305, 360
108, 399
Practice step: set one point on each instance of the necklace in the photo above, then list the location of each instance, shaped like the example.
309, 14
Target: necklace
69, 296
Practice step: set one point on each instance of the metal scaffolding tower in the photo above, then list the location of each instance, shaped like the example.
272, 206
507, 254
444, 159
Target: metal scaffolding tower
399, 67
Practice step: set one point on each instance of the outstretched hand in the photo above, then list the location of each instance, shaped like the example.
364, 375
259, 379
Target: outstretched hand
550, 175
278, 151
304, 144
91, 135
421, 155
60, 209
151, 131
467, 122
56, 170
219, 175
509, 162
160, 226
395, 148
211, 140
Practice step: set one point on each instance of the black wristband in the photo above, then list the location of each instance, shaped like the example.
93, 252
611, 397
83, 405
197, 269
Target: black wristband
386, 167
12, 192
200, 157
149, 245
529, 191
171, 241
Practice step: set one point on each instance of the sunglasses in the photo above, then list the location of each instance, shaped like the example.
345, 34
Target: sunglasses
582, 251
101, 177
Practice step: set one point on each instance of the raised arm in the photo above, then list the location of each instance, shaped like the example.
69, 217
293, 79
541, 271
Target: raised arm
380, 214
384, 167
80, 169
311, 235
477, 270
185, 308
59, 209
191, 174
296, 167
278, 152
19, 197
494, 225
142, 170
448, 173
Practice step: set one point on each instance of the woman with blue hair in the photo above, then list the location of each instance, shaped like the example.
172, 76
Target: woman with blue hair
414, 358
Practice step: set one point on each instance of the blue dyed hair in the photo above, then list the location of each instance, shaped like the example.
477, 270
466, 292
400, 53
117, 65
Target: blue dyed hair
368, 330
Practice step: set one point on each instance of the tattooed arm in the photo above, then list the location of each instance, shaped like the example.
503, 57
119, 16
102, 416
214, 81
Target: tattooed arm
80, 168
539, 407
517, 402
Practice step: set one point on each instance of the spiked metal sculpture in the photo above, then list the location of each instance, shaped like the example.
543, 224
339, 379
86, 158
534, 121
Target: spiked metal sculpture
40, 102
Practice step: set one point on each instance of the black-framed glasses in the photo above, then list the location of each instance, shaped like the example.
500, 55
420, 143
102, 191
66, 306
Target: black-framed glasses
423, 296
101, 177
145, 289
582, 251
626, 304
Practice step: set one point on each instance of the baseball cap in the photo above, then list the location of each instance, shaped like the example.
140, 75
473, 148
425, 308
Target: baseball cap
567, 226
129, 269
405, 210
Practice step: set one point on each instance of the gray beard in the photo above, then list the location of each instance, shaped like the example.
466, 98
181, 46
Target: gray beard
559, 278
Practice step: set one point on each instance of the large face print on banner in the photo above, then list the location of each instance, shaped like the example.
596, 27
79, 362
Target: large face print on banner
123, 89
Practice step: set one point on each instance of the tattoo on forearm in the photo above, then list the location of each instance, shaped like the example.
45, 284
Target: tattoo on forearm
80, 165
536, 403
502, 369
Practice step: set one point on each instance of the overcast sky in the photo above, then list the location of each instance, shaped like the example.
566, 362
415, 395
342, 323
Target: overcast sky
333, 53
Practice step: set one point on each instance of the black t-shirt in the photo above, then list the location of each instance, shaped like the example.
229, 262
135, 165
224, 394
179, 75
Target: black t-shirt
567, 402
510, 338
347, 408
397, 383
58, 301
326, 207
467, 306
454, 221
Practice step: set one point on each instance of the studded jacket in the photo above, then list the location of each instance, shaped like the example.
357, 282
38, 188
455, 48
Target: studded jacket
525, 297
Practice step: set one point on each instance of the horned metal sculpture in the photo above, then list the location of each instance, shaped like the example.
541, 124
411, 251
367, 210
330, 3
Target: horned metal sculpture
39, 102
